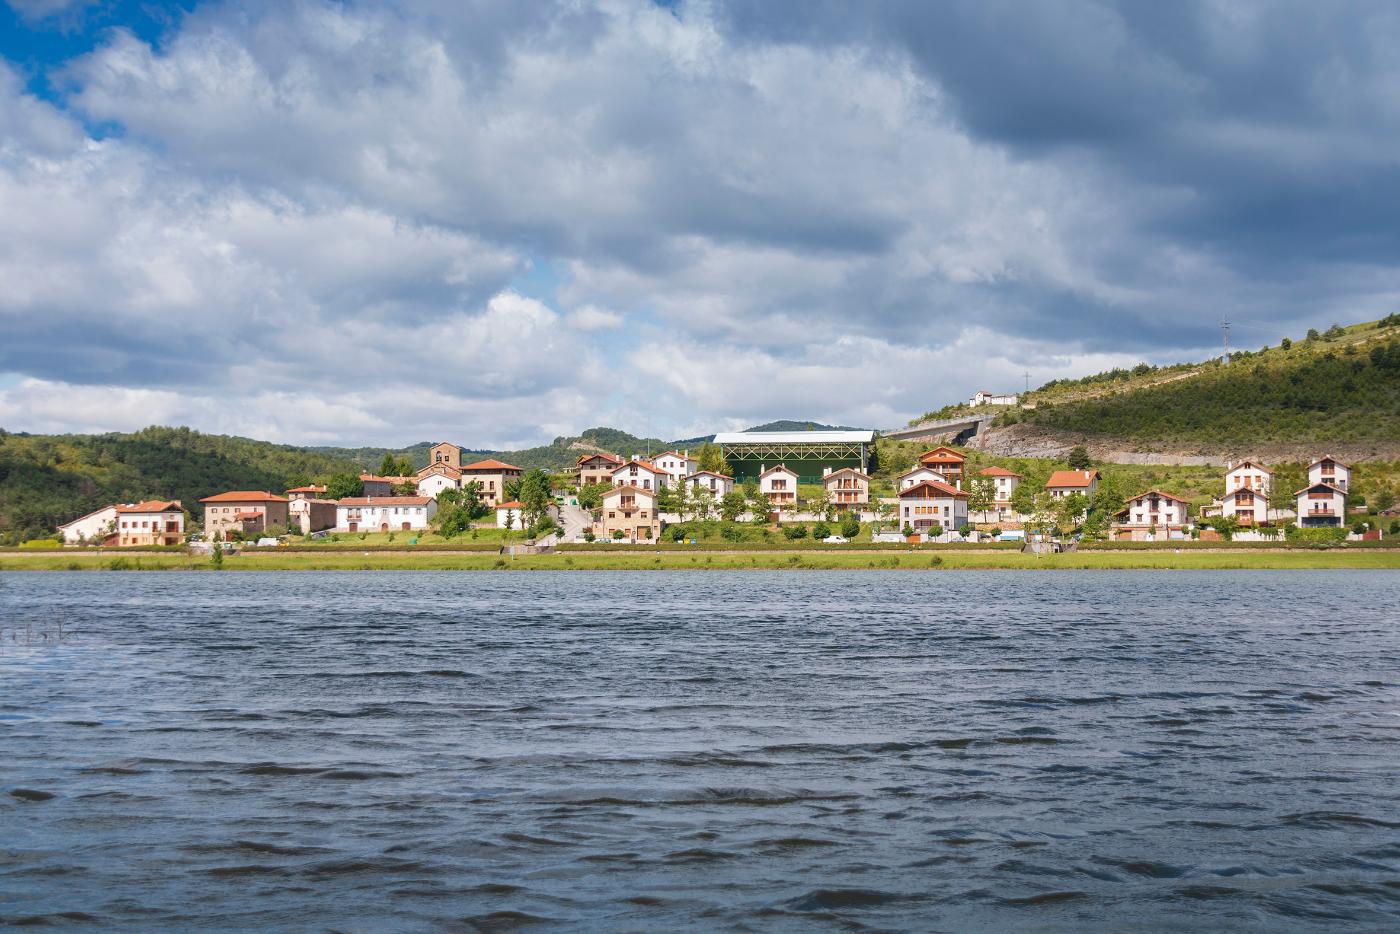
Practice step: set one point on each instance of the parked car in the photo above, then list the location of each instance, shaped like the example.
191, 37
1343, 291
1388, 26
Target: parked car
836, 540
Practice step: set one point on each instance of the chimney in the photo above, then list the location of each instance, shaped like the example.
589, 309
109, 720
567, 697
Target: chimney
762, 468
826, 471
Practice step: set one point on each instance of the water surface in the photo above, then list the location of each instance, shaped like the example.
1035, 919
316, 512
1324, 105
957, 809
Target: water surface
1050, 751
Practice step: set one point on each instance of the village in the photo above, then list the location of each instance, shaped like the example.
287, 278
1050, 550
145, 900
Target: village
798, 484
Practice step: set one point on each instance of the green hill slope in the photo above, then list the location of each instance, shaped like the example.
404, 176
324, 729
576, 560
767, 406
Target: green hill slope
1343, 387
48, 479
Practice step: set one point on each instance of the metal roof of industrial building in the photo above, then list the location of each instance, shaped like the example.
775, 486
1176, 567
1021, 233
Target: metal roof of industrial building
795, 437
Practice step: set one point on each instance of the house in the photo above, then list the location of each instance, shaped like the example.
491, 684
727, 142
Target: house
779, 485
310, 513
1066, 482
305, 492
1249, 506
94, 527
1152, 515
677, 464
1330, 471
1321, 505
492, 476
628, 513
1249, 475
642, 474
945, 461
154, 522
383, 486
597, 468
932, 503
511, 515
444, 454
1004, 483
846, 487
384, 513
717, 484
982, 397
435, 478
243, 511
918, 475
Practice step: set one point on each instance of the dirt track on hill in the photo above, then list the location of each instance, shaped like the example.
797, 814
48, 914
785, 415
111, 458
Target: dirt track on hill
1036, 441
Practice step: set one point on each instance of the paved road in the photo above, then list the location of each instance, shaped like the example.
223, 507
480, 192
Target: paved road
574, 519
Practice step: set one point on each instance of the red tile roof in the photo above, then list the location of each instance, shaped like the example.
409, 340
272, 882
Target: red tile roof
245, 496
1160, 494
933, 486
944, 453
513, 504
850, 470
1077, 479
307, 489
152, 505
711, 473
1247, 463
645, 465
1313, 486
601, 454
491, 464
997, 472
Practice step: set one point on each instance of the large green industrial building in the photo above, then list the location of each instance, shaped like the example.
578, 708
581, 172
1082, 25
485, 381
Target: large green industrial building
808, 453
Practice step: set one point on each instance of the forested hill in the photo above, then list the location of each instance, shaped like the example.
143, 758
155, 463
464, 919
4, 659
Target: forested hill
49, 479
1342, 386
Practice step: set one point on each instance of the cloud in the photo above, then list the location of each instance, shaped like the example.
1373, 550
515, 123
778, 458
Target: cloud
756, 210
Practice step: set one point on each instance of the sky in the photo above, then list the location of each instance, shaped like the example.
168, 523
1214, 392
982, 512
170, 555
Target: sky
499, 222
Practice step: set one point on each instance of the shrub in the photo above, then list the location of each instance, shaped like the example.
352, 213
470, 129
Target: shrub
41, 543
588, 535
1395, 527
908, 530
731, 533
794, 532
617, 535
677, 533
821, 530
1285, 343
850, 527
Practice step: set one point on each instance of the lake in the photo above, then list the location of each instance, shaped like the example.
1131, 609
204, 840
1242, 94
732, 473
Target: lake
956, 751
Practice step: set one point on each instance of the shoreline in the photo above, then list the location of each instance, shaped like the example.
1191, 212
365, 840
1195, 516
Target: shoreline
657, 560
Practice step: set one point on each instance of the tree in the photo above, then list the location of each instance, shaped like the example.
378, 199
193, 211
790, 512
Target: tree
820, 531
471, 500
981, 496
821, 504
795, 531
1312, 334
344, 484
732, 505
704, 501
591, 496
535, 497
1383, 499
850, 527
680, 500
392, 466
1023, 498
1079, 458
407, 488
711, 458
1070, 511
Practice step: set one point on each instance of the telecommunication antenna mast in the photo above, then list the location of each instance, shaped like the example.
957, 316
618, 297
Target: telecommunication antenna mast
1225, 334
1027, 375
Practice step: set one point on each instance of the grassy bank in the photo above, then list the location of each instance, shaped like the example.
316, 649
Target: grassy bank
648, 560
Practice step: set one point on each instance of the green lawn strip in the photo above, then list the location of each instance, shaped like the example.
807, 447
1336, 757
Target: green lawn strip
653, 560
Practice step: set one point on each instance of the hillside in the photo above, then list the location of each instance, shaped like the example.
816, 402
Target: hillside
1338, 389
48, 479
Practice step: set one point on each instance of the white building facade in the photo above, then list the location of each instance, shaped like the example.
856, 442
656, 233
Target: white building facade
929, 504
384, 513
93, 527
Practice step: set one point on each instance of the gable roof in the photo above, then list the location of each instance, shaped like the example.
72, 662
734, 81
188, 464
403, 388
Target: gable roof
645, 465
1159, 493
313, 488
1327, 457
997, 472
849, 470
513, 504
583, 458
89, 516
1249, 463
933, 486
1071, 479
1243, 491
684, 457
244, 496
444, 469
921, 468
945, 453
710, 473
1320, 486
777, 467
490, 464
372, 478
152, 505
629, 488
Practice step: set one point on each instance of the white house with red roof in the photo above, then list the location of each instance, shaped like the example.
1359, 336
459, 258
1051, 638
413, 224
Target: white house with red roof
154, 522
628, 514
846, 487
435, 478
918, 475
778, 485
1327, 469
242, 511
931, 503
717, 484
92, 528
384, 513
1151, 516
642, 474
1321, 505
1004, 483
597, 468
1249, 506
512, 514
1249, 475
676, 464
